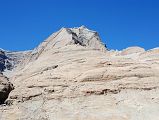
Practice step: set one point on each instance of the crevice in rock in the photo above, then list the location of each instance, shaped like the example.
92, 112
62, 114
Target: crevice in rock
50, 68
31, 97
102, 92
4, 91
139, 88
116, 91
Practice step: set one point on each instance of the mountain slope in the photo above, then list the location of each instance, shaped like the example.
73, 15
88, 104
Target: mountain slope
72, 76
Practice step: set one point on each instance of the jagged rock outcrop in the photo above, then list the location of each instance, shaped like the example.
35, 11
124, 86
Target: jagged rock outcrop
3, 61
72, 76
5, 88
8, 61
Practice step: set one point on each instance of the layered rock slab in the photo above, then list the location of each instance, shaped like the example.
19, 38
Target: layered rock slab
65, 79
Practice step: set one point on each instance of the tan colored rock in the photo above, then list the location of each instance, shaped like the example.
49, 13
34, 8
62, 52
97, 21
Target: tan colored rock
63, 79
132, 50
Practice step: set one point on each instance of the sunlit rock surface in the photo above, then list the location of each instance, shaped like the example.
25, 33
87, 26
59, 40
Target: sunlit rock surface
72, 76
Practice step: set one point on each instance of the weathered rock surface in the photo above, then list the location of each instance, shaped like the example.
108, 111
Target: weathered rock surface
3, 58
9, 60
5, 88
72, 76
5, 85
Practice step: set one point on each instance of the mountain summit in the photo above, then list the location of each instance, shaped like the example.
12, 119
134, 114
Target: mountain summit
80, 35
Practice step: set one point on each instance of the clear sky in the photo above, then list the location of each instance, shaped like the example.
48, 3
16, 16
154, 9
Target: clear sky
120, 23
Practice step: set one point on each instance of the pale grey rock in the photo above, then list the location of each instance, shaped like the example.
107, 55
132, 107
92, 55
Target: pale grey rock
9, 59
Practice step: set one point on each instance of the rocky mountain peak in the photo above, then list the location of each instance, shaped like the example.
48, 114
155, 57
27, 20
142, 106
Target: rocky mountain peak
80, 36
85, 37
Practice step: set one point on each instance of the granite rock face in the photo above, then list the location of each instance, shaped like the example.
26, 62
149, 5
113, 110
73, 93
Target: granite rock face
72, 76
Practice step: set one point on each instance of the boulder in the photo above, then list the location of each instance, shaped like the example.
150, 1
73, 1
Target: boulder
5, 88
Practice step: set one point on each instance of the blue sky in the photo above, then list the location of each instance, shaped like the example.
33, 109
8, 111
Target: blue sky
120, 23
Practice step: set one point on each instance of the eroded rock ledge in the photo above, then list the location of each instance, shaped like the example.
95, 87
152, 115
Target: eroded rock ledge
5, 88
